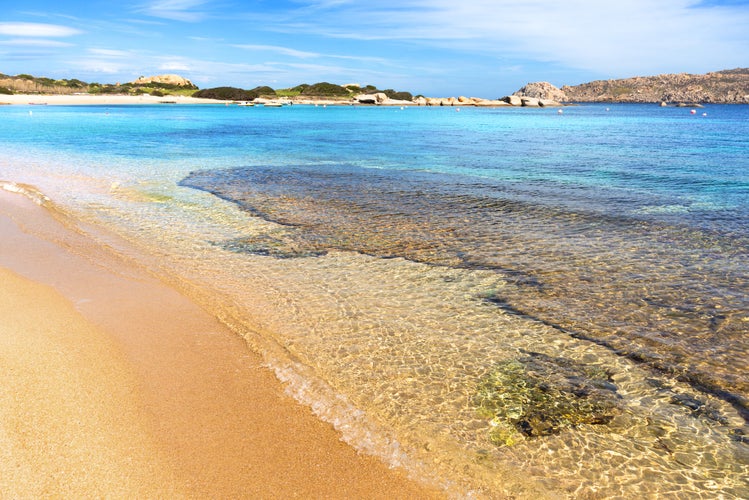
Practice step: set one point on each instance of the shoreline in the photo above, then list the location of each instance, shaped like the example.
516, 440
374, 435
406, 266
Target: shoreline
122, 384
93, 100
118, 100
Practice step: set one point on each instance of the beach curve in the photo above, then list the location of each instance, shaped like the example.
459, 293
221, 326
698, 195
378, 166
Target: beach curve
196, 413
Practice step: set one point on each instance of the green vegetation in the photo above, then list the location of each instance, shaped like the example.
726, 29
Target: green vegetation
620, 91
225, 93
63, 86
264, 91
538, 395
4, 91
401, 96
291, 92
325, 89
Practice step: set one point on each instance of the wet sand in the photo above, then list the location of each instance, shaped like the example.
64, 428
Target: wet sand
117, 385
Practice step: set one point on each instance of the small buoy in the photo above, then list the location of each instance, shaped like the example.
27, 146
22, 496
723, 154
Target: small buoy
704, 114
457, 109
607, 109
559, 111
693, 112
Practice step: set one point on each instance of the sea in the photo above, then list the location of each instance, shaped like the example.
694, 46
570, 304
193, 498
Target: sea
505, 302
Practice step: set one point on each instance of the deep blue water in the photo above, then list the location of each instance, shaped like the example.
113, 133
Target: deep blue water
612, 159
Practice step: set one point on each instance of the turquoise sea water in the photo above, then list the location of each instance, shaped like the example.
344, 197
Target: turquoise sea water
505, 301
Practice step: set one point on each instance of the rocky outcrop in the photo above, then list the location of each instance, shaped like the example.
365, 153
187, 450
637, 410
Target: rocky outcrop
458, 101
164, 79
721, 87
513, 100
542, 91
380, 99
537, 94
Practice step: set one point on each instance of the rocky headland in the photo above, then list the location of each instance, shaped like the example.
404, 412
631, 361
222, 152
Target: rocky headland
720, 87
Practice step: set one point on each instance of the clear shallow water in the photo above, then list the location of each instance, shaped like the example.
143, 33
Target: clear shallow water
435, 282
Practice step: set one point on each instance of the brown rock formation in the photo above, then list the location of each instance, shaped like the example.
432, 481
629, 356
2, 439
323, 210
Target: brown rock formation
541, 90
721, 87
166, 79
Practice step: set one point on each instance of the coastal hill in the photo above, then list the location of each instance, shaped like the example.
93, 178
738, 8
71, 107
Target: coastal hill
728, 86
720, 87
154, 85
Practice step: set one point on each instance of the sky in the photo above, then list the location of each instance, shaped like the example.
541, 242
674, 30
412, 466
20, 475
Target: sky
438, 48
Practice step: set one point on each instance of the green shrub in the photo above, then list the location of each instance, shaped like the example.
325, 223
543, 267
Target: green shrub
263, 91
5, 91
109, 89
74, 83
325, 89
225, 94
401, 96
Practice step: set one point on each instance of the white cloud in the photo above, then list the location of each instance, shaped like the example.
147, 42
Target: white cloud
117, 54
95, 65
37, 30
34, 42
280, 50
632, 37
176, 10
175, 66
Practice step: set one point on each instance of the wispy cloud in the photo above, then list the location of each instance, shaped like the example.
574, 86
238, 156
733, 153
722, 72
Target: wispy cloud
94, 65
277, 49
117, 54
636, 36
37, 30
175, 66
34, 42
176, 10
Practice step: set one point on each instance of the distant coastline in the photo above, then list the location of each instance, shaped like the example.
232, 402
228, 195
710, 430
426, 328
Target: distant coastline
721, 87
92, 99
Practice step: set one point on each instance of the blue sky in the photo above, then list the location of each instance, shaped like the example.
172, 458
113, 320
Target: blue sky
485, 48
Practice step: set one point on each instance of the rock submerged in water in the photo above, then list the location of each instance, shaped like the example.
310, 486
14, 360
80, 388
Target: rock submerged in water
538, 395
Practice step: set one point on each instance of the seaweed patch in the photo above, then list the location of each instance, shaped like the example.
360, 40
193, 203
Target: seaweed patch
538, 395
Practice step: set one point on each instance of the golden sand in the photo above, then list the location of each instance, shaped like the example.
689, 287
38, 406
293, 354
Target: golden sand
116, 385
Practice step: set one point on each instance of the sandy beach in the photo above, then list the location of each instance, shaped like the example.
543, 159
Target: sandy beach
89, 99
116, 385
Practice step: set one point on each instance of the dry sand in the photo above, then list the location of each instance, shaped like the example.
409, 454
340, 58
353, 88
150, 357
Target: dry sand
88, 99
116, 385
